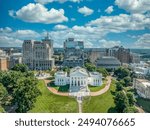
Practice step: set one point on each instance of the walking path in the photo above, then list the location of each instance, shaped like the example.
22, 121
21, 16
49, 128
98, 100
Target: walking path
140, 109
104, 89
80, 107
53, 90
79, 100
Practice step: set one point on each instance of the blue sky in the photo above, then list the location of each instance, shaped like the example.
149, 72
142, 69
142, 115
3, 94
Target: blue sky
99, 23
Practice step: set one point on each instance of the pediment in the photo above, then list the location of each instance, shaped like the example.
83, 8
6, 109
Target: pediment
78, 73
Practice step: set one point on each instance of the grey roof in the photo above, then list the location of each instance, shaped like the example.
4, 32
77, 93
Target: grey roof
73, 58
108, 60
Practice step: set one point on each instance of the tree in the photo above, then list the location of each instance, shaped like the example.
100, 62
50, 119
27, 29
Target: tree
3, 94
20, 67
127, 81
119, 86
21, 89
121, 101
130, 110
66, 69
25, 94
5, 98
9, 79
103, 71
122, 72
131, 98
90, 67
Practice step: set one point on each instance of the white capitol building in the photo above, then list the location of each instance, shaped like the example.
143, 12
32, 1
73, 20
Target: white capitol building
78, 79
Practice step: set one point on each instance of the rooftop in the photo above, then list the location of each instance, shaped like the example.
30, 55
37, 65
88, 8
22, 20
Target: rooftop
94, 74
79, 69
61, 73
108, 60
145, 82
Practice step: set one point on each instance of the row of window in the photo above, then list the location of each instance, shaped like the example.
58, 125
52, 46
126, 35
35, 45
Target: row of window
78, 78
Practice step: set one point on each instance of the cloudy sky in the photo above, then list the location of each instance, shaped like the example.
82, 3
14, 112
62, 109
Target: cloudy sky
99, 23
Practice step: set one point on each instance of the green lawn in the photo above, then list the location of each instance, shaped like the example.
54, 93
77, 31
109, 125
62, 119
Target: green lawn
51, 103
59, 88
145, 103
51, 84
101, 104
97, 88
64, 88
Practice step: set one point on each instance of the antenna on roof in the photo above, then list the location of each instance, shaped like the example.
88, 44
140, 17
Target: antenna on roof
48, 36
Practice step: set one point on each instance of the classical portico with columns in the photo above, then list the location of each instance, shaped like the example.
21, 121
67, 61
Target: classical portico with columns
78, 80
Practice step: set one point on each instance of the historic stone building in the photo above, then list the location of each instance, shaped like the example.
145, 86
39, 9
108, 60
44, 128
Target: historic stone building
78, 80
37, 55
4, 63
122, 54
73, 53
15, 58
4, 60
94, 54
142, 87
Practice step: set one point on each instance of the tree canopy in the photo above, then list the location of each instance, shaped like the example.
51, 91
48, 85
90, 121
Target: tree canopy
20, 86
25, 93
119, 86
103, 71
20, 67
3, 94
90, 67
121, 101
122, 72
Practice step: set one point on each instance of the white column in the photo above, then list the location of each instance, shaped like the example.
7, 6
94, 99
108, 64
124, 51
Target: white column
70, 81
77, 82
74, 81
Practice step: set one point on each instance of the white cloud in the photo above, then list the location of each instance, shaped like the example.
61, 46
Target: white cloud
10, 42
5, 30
12, 38
85, 11
83, 29
109, 10
60, 1
143, 41
108, 44
134, 6
29, 13
60, 27
121, 23
26, 34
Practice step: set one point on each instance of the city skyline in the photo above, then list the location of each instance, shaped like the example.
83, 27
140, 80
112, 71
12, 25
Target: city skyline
99, 23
